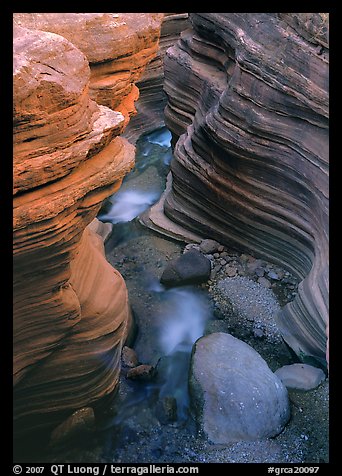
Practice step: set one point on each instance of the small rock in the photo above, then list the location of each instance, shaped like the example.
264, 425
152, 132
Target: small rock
258, 333
259, 272
209, 246
244, 258
273, 275
300, 376
220, 248
264, 282
223, 261
230, 271
214, 271
253, 265
224, 254
216, 255
80, 422
142, 372
211, 257
166, 409
129, 357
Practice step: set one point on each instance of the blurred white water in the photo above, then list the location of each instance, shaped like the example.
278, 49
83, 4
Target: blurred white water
128, 204
185, 315
161, 137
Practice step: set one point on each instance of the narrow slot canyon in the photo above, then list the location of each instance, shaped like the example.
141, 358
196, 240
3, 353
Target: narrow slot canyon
171, 254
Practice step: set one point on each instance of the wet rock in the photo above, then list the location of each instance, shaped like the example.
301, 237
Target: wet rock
166, 409
190, 268
80, 422
300, 376
129, 357
264, 282
234, 394
209, 246
143, 372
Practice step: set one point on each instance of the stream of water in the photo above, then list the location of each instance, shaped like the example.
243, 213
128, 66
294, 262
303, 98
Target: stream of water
169, 320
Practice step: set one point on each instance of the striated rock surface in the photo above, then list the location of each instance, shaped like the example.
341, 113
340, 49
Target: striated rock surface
152, 99
118, 47
71, 310
248, 99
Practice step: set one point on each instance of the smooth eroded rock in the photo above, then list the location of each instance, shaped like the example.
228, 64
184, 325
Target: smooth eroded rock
190, 268
300, 376
209, 246
80, 422
234, 394
71, 313
248, 100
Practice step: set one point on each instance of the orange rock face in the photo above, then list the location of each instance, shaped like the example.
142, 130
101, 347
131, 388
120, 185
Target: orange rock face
71, 310
118, 47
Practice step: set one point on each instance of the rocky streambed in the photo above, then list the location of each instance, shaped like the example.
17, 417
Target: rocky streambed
153, 418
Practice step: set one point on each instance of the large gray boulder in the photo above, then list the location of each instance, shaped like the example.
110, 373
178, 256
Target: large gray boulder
234, 394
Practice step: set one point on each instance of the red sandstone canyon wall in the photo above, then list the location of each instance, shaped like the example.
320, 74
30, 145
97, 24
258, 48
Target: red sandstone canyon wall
74, 92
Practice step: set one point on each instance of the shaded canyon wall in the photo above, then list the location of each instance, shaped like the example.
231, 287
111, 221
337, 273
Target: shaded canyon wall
71, 310
152, 99
248, 100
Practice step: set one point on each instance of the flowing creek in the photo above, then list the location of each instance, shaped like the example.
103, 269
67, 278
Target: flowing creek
135, 426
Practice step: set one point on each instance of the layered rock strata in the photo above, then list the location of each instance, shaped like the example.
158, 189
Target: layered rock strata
248, 99
71, 310
152, 99
118, 47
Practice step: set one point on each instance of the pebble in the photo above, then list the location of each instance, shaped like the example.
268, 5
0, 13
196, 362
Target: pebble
258, 333
209, 246
230, 271
129, 357
273, 275
220, 249
259, 272
216, 255
223, 261
264, 282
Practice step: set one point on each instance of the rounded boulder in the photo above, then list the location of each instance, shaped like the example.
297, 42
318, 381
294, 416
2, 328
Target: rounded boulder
234, 394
